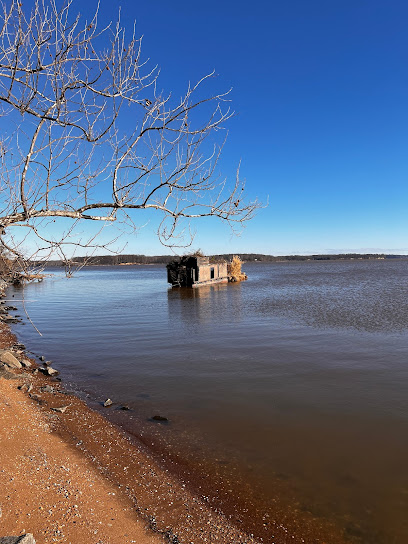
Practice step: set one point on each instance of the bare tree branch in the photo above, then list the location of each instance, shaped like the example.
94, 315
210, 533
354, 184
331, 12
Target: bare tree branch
66, 149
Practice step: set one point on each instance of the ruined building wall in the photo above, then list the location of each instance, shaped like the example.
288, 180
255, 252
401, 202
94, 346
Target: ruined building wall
220, 271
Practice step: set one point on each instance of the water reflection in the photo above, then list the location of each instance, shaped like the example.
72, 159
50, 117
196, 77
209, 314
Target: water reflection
203, 305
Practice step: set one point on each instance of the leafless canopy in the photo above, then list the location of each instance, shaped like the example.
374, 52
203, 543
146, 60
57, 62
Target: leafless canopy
85, 134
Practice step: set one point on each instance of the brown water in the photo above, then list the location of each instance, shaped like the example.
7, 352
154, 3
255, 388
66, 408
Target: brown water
289, 390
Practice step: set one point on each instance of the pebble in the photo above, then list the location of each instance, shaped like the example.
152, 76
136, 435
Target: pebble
60, 409
47, 389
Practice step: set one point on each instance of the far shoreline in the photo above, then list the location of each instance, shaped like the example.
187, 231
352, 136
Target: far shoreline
253, 258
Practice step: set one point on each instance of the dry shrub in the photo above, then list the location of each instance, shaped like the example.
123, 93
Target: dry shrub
234, 269
197, 253
7, 266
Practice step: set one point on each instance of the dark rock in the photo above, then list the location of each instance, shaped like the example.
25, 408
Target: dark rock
159, 418
10, 319
124, 407
171, 537
42, 358
48, 371
37, 398
47, 363
107, 403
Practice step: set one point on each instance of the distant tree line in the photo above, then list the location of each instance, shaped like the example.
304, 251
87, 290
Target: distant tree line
115, 260
252, 257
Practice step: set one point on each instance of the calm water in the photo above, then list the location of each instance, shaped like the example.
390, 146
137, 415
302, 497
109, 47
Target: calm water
294, 382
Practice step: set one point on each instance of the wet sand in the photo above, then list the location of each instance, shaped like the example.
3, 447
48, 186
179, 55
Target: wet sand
76, 477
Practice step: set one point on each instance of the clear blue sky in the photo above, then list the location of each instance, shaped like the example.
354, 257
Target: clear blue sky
321, 89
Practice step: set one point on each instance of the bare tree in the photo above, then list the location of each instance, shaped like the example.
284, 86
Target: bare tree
69, 91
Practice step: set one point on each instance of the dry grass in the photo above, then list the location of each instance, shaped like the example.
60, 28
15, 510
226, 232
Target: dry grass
234, 269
